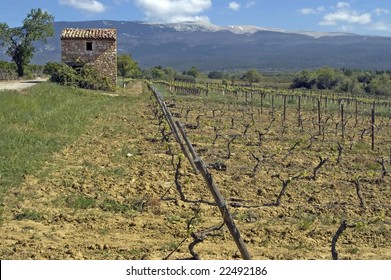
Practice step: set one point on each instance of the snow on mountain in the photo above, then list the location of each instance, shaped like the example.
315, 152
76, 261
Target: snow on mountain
239, 29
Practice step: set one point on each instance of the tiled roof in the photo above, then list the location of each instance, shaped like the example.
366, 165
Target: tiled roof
90, 33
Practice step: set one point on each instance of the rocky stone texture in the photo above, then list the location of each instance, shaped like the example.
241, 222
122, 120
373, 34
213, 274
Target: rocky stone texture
97, 47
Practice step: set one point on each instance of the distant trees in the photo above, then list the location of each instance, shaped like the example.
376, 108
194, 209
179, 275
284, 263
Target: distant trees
357, 82
345, 80
216, 75
160, 73
380, 85
323, 78
194, 72
252, 76
304, 79
327, 78
18, 41
127, 67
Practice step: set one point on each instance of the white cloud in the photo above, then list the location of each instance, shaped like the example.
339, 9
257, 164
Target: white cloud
249, 4
171, 11
351, 17
307, 11
234, 6
381, 26
380, 11
343, 5
312, 11
344, 17
344, 14
91, 6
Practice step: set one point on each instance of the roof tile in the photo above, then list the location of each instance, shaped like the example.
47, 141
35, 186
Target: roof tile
90, 33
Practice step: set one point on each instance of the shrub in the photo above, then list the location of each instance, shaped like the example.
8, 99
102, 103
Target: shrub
90, 78
185, 78
85, 77
216, 75
8, 71
50, 68
33, 71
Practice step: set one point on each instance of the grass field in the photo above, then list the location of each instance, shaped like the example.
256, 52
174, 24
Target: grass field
38, 122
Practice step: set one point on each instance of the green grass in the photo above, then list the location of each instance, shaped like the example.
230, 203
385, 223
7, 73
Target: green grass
38, 122
110, 205
29, 214
80, 202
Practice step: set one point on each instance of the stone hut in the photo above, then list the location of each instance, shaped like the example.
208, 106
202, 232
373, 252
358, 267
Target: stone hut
94, 46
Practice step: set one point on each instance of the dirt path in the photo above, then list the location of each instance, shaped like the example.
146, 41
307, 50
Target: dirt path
20, 85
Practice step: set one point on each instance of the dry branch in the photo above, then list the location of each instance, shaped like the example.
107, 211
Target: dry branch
230, 141
255, 169
177, 176
340, 149
285, 183
384, 172
358, 191
340, 230
316, 169
200, 237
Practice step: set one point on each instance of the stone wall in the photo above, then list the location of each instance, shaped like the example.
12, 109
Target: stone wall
103, 55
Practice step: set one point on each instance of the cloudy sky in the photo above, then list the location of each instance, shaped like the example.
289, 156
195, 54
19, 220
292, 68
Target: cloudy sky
369, 17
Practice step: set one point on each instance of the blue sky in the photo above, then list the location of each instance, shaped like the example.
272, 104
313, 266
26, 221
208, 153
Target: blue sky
370, 17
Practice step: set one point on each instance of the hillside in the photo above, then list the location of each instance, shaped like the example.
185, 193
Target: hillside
211, 47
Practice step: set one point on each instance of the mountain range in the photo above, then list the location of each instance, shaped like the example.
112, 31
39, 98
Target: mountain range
210, 47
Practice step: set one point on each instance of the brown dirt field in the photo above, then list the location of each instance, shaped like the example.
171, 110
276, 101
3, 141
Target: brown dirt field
111, 195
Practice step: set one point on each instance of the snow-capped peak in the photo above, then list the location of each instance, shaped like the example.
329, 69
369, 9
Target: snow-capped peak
205, 26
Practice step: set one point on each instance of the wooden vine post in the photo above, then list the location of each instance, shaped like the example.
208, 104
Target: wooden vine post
342, 120
200, 166
356, 113
284, 114
319, 118
272, 113
299, 112
373, 128
218, 198
373, 119
173, 127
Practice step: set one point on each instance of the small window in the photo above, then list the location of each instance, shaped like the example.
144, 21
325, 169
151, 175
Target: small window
89, 46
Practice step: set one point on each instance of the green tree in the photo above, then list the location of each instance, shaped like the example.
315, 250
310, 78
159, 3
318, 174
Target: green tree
216, 75
157, 73
127, 67
380, 85
304, 79
170, 73
327, 78
252, 76
194, 72
18, 41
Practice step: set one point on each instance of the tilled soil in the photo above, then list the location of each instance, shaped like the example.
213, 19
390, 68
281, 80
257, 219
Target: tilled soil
112, 195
